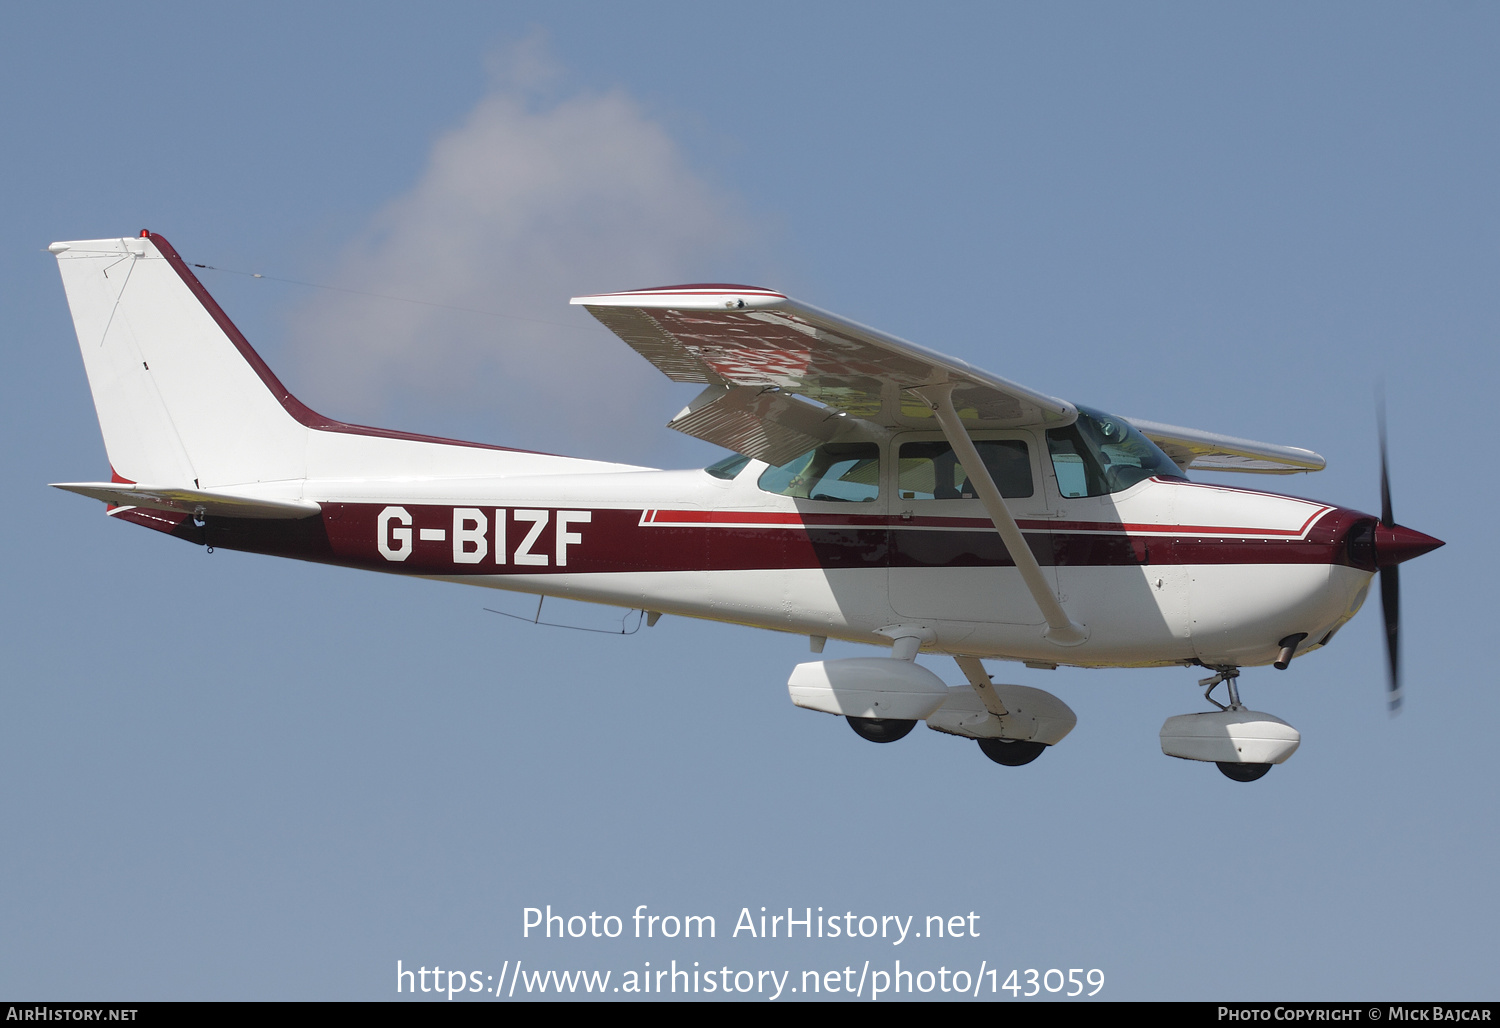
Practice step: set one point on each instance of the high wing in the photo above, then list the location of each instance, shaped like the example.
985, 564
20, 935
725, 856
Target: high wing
757, 351
1193, 449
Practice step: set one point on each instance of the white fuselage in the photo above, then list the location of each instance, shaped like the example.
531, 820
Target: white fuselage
1165, 572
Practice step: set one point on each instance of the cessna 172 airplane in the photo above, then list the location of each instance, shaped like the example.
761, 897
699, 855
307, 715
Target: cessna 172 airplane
878, 492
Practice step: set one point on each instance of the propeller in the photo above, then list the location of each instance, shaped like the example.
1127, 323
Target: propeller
1390, 579
1393, 545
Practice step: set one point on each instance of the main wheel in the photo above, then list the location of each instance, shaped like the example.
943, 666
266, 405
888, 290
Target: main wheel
880, 729
1243, 772
1011, 752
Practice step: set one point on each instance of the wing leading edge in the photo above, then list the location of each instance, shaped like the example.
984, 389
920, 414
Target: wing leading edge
761, 355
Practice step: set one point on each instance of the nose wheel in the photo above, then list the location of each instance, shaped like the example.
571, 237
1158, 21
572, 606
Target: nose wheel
1242, 772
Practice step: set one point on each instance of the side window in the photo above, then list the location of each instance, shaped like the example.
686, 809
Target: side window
728, 468
848, 472
931, 471
1078, 474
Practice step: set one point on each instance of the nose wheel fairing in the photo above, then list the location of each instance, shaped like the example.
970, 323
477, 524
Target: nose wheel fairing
1243, 743
1234, 736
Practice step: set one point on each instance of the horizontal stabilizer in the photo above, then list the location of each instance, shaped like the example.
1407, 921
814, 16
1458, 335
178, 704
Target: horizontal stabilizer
1193, 449
191, 501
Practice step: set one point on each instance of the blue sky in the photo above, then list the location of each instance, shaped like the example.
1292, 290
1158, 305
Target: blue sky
229, 776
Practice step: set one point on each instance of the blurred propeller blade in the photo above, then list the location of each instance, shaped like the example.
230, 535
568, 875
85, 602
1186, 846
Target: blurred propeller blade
1390, 604
1390, 577
1393, 545
1387, 518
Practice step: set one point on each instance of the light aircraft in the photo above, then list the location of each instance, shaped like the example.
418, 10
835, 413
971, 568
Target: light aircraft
878, 492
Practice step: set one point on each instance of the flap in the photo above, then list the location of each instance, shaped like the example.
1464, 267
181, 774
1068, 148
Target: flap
761, 423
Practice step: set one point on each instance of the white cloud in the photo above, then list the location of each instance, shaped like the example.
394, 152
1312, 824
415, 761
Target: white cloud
520, 207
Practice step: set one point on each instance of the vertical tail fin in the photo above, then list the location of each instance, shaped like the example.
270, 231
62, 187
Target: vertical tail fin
185, 402
181, 397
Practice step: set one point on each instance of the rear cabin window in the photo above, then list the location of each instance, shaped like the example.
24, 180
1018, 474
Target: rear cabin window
931, 471
728, 468
845, 472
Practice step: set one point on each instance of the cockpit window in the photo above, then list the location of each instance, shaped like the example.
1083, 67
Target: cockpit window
1100, 453
728, 468
848, 472
931, 471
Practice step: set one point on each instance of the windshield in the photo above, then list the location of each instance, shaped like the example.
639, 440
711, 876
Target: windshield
1100, 453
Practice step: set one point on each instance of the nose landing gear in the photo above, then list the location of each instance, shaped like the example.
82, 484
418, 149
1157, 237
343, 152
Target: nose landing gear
1243, 743
1227, 676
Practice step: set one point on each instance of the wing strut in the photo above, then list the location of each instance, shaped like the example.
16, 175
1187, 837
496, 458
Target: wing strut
1060, 628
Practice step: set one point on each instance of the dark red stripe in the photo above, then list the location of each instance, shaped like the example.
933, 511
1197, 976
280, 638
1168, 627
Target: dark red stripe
864, 521
616, 541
